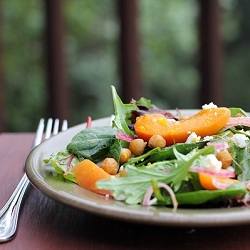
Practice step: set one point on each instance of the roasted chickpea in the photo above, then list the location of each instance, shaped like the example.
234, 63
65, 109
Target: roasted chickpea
125, 155
157, 141
137, 146
110, 165
225, 158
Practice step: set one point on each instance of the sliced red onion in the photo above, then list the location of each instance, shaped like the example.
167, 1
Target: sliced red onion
124, 137
69, 164
220, 185
238, 121
147, 201
247, 184
222, 172
88, 122
219, 146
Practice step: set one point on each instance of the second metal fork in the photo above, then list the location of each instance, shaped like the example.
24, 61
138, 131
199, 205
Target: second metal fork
10, 211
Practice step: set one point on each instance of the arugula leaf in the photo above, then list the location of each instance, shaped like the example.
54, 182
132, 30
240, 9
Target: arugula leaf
122, 113
236, 111
133, 186
145, 102
241, 162
63, 162
93, 143
181, 172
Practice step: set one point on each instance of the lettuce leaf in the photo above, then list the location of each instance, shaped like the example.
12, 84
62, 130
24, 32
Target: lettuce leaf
63, 161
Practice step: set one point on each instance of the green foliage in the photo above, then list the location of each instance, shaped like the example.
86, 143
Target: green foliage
168, 38
23, 63
91, 43
169, 46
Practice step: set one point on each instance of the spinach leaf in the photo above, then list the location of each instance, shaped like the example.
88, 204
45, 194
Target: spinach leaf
142, 159
199, 197
168, 152
203, 196
115, 150
93, 143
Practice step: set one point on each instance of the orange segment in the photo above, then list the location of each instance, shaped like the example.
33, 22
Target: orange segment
206, 181
87, 173
204, 123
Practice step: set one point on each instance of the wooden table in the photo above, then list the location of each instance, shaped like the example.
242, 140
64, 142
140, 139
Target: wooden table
46, 224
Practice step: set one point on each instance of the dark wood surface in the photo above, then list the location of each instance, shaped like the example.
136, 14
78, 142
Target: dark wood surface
46, 224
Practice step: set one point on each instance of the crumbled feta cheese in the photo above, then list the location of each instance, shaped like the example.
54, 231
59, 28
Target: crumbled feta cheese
211, 105
208, 138
240, 140
230, 168
211, 162
193, 137
172, 120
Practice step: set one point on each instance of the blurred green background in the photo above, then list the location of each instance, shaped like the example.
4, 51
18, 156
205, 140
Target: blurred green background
168, 48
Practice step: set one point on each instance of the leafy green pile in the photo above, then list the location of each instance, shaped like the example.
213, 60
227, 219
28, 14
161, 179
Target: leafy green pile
169, 165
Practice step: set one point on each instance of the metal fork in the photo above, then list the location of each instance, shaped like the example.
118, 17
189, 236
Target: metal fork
10, 211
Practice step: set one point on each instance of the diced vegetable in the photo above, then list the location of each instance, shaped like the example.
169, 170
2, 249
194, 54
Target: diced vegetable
211, 182
204, 123
87, 174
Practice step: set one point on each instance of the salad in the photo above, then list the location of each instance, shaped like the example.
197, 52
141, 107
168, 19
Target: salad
155, 157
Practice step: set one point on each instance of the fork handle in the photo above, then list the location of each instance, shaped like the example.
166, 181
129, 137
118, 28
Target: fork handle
9, 213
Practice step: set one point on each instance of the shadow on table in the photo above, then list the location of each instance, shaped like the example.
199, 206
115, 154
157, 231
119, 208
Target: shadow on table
63, 225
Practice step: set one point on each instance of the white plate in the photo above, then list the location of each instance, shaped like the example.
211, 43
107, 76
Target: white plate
72, 195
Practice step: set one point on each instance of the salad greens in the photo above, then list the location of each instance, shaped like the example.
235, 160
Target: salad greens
122, 113
93, 143
176, 166
131, 188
